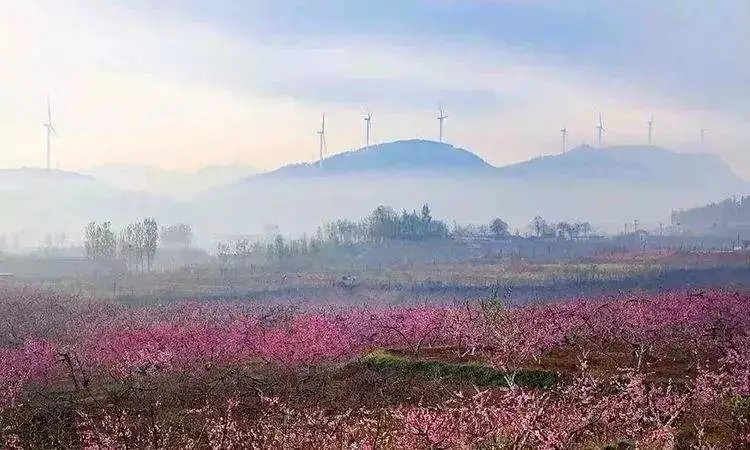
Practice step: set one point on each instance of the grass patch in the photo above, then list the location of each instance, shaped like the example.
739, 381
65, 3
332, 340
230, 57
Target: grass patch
740, 406
473, 373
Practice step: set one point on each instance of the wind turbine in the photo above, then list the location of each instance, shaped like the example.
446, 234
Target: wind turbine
650, 123
440, 119
564, 131
322, 140
368, 124
50, 130
600, 129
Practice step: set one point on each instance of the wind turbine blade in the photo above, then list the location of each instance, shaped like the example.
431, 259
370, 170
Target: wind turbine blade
49, 111
53, 130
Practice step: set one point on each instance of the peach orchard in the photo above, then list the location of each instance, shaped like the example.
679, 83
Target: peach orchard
652, 370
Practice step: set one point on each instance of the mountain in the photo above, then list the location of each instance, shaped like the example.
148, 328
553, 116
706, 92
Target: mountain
35, 178
414, 155
36, 202
168, 183
607, 187
629, 164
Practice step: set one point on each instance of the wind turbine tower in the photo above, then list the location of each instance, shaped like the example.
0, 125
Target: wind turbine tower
322, 140
50, 131
600, 129
368, 125
564, 132
441, 117
703, 137
650, 123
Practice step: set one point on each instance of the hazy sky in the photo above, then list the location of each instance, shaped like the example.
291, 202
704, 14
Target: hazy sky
192, 83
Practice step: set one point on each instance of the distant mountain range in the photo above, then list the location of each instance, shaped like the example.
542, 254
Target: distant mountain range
611, 185
420, 157
629, 163
168, 183
36, 202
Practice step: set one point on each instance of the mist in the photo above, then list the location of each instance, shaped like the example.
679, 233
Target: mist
40, 203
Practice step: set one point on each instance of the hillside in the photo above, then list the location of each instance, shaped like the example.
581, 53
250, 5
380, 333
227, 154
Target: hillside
620, 163
399, 156
630, 164
169, 183
607, 187
36, 202
730, 214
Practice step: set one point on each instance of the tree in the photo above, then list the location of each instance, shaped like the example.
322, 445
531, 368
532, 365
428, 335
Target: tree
178, 235
382, 223
565, 230
131, 245
150, 240
48, 245
499, 227
426, 217
137, 243
585, 228
222, 253
539, 226
108, 241
91, 243
279, 249
242, 249
100, 242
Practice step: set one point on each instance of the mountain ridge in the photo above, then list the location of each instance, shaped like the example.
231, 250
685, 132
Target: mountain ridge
168, 183
613, 184
627, 163
631, 163
412, 155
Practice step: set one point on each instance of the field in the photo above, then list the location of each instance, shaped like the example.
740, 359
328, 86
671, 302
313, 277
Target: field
467, 276
360, 367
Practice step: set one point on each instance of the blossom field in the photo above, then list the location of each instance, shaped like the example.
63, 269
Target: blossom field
670, 370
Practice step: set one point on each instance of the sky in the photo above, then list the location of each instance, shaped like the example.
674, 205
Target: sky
184, 84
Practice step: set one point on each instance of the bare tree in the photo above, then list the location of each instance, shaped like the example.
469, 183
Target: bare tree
100, 241
150, 240
242, 249
539, 226
222, 253
178, 235
130, 246
108, 242
92, 240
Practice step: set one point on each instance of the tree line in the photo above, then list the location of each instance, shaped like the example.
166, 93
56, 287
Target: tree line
730, 212
385, 224
560, 230
136, 244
